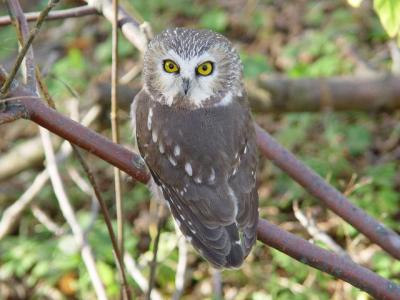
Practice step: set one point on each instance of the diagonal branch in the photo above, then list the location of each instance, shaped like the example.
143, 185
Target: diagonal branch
331, 197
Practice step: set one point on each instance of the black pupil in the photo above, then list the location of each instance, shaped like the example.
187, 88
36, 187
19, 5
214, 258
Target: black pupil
170, 65
204, 67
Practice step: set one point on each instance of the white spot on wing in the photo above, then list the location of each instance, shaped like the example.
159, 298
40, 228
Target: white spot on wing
154, 136
161, 148
149, 118
172, 161
245, 149
234, 171
177, 150
197, 180
211, 179
188, 169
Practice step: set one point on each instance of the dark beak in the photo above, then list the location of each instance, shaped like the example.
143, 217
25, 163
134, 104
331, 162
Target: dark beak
185, 85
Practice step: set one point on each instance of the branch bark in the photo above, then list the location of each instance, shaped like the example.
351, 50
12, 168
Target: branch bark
378, 93
55, 15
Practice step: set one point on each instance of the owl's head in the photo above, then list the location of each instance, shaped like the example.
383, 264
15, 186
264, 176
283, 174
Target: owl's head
195, 67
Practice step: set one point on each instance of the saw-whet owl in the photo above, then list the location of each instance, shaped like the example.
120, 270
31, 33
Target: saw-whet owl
195, 132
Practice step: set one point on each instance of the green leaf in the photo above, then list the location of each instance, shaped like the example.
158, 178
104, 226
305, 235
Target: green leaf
215, 19
389, 14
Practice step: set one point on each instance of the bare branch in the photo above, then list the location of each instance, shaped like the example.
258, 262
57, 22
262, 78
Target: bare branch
315, 232
129, 26
12, 213
12, 111
326, 261
331, 197
69, 215
27, 44
107, 219
41, 216
115, 137
51, 167
153, 264
137, 275
181, 268
55, 15
381, 92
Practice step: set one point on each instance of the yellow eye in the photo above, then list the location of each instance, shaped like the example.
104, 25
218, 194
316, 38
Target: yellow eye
170, 66
205, 68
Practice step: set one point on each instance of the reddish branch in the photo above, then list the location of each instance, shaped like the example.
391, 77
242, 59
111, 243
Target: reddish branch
11, 112
331, 197
55, 15
326, 261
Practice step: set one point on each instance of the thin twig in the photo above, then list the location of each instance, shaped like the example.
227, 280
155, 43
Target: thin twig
129, 26
181, 268
153, 264
69, 215
115, 133
217, 284
27, 44
137, 275
65, 205
86, 188
315, 232
107, 219
55, 15
13, 212
43, 218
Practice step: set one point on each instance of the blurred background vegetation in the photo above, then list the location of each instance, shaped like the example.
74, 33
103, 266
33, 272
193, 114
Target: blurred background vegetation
357, 152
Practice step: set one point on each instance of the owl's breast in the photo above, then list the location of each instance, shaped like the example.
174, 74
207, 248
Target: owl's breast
202, 144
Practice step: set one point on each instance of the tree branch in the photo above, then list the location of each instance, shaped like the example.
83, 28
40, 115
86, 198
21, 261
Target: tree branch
11, 112
327, 262
55, 15
331, 197
378, 93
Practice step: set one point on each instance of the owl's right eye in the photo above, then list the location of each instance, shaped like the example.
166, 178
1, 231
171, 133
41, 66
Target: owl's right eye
170, 66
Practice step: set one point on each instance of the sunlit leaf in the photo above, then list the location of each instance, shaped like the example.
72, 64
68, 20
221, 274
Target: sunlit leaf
389, 14
354, 3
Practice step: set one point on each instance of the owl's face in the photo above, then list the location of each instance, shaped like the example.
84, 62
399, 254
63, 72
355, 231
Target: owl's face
192, 67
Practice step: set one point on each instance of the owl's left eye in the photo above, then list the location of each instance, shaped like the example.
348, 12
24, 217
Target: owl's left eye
205, 68
170, 66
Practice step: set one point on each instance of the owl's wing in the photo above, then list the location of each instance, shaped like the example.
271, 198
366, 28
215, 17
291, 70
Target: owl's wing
204, 162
